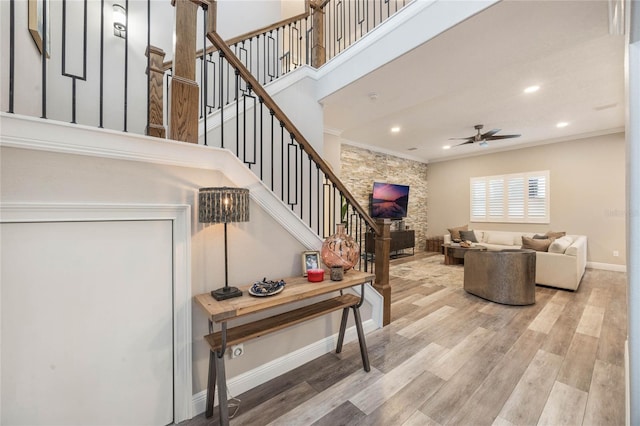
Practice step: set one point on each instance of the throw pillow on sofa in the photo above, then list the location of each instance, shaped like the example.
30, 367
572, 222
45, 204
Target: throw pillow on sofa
455, 232
554, 235
560, 245
468, 236
535, 244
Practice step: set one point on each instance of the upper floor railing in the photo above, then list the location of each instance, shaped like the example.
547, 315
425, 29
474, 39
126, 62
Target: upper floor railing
67, 62
322, 31
93, 69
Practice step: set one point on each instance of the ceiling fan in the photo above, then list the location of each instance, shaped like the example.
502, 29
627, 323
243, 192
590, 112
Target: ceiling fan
482, 138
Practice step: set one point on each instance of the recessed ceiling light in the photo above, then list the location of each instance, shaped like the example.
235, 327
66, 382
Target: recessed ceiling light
395, 129
562, 124
446, 147
532, 89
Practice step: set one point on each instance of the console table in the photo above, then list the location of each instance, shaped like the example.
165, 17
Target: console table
296, 289
400, 240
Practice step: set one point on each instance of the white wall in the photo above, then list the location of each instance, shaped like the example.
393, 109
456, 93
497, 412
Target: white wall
299, 102
332, 150
587, 191
236, 17
292, 8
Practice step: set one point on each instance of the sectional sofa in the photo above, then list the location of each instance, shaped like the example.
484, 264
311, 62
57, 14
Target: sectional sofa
562, 265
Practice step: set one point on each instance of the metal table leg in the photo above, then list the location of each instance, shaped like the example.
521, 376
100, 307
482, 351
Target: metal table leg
363, 344
211, 384
211, 379
223, 404
343, 328
358, 320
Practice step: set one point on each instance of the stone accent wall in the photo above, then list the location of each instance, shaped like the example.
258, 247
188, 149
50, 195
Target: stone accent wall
359, 168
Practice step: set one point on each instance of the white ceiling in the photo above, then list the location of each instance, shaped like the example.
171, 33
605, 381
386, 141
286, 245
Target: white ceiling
475, 73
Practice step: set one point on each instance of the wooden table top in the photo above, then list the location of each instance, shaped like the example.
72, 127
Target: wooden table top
296, 288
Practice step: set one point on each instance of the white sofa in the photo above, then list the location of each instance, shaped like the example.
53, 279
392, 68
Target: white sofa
561, 267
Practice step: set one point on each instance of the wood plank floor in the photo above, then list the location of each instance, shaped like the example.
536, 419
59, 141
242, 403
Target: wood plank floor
449, 357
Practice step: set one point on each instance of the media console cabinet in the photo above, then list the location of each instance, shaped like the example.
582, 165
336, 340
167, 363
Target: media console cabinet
400, 240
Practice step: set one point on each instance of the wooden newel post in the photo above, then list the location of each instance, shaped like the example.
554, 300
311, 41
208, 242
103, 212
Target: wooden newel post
383, 251
184, 88
318, 52
155, 74
212, 16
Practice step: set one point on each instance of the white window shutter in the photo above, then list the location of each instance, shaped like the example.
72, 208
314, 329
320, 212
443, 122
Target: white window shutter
538, 201
478, 200
518, 197
496, 199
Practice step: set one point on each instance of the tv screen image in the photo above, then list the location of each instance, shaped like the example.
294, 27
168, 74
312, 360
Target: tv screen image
389, 201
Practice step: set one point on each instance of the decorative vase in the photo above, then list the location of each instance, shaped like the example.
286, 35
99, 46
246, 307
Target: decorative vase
340, 249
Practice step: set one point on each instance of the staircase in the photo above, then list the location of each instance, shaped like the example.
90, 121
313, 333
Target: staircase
247, 121
217, 93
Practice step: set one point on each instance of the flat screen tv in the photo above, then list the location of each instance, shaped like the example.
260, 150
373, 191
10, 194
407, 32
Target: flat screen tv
389, 201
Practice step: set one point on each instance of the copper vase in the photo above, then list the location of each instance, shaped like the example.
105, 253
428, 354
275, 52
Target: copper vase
340, 249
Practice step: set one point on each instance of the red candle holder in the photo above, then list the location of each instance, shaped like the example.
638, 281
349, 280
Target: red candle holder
315, 275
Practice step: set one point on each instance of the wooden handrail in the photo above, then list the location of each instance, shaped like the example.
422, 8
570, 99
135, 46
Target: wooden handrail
291, 128
247, 36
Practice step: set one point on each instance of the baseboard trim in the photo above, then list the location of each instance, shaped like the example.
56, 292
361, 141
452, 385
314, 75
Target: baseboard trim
607, 266
627, 384
249, 380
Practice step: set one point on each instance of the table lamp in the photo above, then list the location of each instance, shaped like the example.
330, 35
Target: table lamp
224, 205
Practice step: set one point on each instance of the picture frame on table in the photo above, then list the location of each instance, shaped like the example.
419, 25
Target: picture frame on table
310, 260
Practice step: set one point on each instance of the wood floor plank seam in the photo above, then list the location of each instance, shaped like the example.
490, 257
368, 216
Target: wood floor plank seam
374, 395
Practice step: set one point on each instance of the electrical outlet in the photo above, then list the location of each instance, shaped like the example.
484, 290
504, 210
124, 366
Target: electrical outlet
237, 350
616, 253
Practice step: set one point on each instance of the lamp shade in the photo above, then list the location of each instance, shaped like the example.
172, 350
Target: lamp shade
223, 205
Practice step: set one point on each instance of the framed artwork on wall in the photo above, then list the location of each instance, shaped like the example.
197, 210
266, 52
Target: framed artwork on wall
36, 23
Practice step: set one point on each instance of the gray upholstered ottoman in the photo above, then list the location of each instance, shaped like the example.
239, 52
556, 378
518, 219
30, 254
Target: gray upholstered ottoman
507, 276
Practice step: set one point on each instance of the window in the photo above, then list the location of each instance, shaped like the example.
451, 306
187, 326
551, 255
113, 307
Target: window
519, 197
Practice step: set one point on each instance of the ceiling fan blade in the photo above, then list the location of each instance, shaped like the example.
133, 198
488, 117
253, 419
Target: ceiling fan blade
490, 133
493, 138
462, 139
464, 143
